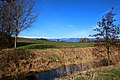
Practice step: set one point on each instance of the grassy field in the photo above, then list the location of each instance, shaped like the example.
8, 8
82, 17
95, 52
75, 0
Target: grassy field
43, 44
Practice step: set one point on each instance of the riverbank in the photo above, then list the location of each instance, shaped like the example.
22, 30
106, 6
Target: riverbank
18, 63
111, 72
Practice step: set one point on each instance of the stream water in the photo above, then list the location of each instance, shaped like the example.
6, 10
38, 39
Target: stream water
60, 72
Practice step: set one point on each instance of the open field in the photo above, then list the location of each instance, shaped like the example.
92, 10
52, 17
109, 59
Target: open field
44, 44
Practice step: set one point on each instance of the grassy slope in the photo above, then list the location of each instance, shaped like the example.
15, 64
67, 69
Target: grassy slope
42, 44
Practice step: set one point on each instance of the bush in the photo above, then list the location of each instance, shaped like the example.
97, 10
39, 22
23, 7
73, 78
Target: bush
6, 41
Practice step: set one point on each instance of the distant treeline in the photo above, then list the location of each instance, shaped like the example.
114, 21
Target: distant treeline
73, 40
69, 39
86, 40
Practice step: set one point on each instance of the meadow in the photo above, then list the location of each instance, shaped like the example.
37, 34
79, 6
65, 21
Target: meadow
44, 44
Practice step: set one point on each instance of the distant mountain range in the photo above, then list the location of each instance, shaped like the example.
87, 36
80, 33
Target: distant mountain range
64, 39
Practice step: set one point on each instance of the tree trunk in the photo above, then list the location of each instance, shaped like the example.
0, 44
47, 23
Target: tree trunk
108, 53
16, 31
15, 41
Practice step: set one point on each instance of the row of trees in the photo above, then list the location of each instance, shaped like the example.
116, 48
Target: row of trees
86, 40
15, 16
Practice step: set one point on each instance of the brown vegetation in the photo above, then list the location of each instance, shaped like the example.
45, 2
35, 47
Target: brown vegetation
14, 62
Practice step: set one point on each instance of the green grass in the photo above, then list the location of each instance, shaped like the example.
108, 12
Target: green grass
111, 74
43, 44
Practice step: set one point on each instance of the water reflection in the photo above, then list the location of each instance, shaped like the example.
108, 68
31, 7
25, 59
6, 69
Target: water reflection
60, 72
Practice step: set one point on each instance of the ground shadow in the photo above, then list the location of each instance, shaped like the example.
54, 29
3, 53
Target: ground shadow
103, 62
24, 44
42, 46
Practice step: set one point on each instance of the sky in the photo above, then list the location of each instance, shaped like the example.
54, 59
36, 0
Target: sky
69, 18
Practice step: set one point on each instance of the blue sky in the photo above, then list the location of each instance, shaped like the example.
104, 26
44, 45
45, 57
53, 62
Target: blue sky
68, 18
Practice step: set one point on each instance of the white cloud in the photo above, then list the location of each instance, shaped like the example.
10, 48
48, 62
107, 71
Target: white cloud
71, 25
83, 33
32, 37
41, 37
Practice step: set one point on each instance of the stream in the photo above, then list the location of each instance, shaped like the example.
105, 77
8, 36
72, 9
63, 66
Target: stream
61, 72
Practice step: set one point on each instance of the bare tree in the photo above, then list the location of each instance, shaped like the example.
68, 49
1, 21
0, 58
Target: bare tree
24, 15
20, 16
107, 33
6, 23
